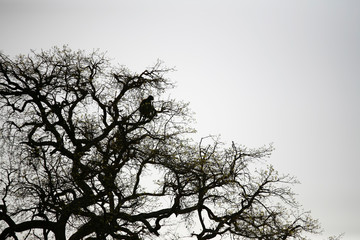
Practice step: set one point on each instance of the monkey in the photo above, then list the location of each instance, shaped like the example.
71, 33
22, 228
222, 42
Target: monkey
147, 110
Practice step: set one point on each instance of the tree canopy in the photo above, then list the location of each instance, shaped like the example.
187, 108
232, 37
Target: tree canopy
79, 162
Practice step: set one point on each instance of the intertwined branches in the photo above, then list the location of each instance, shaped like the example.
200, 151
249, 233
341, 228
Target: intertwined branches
78, 161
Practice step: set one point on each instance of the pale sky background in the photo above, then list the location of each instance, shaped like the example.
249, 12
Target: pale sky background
257, 72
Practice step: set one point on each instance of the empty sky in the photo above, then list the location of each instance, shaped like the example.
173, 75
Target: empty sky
256, 72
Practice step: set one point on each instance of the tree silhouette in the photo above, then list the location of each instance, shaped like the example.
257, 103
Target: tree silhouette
78, 161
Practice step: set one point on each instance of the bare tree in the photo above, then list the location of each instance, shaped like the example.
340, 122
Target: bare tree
79, 162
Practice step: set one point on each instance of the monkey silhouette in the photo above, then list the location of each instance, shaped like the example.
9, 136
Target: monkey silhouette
147, 110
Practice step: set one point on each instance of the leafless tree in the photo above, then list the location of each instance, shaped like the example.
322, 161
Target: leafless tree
78, 161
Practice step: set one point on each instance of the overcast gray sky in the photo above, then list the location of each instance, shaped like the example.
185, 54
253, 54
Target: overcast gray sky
256, 72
